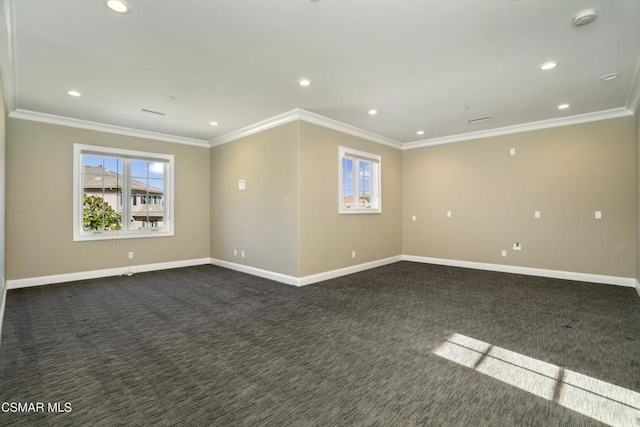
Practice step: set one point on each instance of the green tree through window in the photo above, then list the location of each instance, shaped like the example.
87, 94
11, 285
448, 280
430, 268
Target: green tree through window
98, 215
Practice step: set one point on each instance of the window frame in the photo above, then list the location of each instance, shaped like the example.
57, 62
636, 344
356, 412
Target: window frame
79, 234
375, 178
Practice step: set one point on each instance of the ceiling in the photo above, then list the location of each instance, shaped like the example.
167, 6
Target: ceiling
426, 65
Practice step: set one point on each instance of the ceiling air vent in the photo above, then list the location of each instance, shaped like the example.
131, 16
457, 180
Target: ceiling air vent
153, 112
479, 119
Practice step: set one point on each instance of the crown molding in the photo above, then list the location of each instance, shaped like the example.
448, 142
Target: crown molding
7, 55
101, 127
525, 127
634, 96
306, 116
261, 126
317, 119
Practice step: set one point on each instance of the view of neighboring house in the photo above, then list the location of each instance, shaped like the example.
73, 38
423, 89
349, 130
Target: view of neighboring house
147, 201
364, 200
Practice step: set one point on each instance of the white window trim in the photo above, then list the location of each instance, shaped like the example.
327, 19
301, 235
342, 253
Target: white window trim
79, 234
350, 152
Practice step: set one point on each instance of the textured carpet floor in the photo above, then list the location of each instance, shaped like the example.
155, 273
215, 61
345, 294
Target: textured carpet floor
210, 346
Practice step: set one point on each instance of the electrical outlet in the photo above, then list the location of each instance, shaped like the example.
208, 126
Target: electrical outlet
512, 151
517, 246
504, 253
242, 254
130, 255
353, 254
235, 252
536, 214
598, 214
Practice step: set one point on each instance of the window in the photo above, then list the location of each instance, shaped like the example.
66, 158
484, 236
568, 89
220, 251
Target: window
360, 182
105, 177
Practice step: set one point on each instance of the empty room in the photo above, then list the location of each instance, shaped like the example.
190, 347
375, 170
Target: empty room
320, 212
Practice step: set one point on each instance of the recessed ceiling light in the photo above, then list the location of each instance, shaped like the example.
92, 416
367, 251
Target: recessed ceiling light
549, 65
563, 106
304, 82
74, 93
118, 6
373, 112
420, 132
585, 17
214, 123
609, 77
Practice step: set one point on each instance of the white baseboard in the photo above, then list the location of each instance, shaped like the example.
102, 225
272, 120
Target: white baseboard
278, 277
306, 280
314, 278
529, 271
108, 272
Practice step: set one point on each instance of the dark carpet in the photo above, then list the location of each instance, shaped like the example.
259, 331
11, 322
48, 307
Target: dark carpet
210, 346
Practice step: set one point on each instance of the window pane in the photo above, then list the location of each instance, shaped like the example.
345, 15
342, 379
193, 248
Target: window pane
156, 170
102, 193
147, 203
155, 203
347, 182
364, 183
139, 169
147, 169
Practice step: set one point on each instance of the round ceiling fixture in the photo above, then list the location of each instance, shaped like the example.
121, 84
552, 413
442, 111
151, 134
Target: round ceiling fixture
609, 77
585, 17
420, 132
373, 112
118, 6
304, 82
563, 106
74, 93
214, 123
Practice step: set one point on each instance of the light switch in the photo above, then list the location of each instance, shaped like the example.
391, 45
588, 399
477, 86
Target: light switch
449, 214
598, 214
413, 218
512, 151
242, 184
536, 214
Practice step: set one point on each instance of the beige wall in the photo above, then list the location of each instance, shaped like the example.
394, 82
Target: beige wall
567, 173
327, 238
261, 220
287, 219
3, 144
39, 204
638, 194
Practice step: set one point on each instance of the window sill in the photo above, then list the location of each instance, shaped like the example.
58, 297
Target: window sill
359, 211
88, 237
